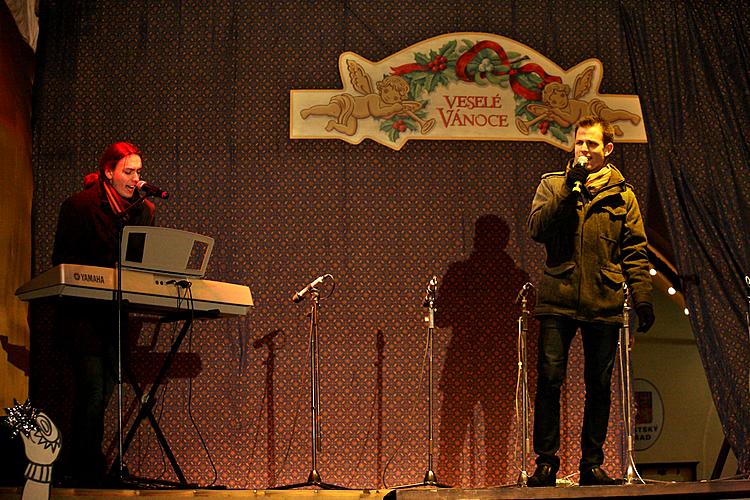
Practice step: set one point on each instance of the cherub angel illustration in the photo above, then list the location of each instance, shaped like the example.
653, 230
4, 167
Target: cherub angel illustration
348, 109
566, 111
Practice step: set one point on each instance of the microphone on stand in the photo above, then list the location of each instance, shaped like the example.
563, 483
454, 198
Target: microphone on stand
582, 161
431, 292
317, 281
524, 290
266, 339
151, 190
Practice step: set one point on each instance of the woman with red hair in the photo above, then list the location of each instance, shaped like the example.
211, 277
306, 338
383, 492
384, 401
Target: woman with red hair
87, 233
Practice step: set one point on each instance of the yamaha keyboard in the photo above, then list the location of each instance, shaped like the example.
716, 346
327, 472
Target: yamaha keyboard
147, 290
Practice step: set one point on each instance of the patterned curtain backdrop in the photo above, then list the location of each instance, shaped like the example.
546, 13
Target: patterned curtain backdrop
696, 75
203, 88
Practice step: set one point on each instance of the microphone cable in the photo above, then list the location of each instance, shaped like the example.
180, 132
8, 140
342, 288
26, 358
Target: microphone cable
160, 399
165, 385
518, 434
304, 404
187, 296
522, 337
411, 412
191, 304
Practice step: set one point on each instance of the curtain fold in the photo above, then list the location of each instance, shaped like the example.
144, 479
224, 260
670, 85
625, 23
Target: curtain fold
690, 68
16, 75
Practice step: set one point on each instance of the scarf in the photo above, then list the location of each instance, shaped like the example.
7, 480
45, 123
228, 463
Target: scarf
117, 203
596, 181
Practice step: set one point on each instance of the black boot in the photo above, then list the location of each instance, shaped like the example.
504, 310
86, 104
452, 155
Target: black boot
544, 475
595, 476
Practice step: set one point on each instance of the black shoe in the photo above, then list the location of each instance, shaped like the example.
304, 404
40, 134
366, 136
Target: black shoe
544, 475
595, 476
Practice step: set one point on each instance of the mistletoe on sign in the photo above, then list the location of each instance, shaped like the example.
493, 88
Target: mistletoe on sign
482, 63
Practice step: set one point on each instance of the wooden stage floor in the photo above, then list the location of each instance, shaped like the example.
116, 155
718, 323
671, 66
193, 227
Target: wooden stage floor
705, 489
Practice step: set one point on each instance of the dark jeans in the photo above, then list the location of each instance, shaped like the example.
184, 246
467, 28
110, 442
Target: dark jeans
95, 378
599, 349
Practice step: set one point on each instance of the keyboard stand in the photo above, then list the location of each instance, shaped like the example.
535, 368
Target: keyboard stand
148, 401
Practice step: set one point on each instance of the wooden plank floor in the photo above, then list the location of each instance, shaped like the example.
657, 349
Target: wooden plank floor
675, 490
703, 489
169, 494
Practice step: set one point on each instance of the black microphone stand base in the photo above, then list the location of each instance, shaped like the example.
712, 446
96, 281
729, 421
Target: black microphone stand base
430, 477
313, 480
430, 480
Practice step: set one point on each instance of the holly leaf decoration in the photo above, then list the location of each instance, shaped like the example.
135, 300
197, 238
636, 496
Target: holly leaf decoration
448, 49
559, 133
421, 58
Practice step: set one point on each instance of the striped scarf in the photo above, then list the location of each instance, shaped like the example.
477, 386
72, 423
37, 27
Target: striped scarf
596, 181
117, 203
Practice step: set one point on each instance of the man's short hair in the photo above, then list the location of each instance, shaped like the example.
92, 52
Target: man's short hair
608, 131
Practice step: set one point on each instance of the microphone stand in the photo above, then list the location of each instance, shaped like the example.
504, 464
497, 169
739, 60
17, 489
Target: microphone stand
123, 476
523, 330
430, 478
122, 220
626, 389
314, 478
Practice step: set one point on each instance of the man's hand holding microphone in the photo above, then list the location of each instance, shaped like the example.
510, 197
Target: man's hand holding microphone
577, 174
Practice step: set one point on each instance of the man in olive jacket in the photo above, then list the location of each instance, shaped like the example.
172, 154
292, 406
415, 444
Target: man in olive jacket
588, 219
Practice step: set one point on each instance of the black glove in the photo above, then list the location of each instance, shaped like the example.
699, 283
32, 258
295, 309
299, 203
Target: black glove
576, 174
645, 312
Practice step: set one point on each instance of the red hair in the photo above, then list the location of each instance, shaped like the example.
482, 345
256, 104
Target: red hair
114, 153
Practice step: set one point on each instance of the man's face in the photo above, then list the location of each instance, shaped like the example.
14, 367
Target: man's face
126, 174
589, 143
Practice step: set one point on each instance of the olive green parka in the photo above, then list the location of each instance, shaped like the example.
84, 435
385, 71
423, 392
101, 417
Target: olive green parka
593, 246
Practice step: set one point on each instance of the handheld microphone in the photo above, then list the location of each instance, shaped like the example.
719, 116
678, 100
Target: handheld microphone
151, 190
317, 281
581, 162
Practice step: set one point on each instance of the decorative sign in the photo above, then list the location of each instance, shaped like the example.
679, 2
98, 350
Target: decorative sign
42, 443
473, 86
649, 414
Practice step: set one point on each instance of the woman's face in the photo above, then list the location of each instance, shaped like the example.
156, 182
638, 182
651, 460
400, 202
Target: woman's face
126, 174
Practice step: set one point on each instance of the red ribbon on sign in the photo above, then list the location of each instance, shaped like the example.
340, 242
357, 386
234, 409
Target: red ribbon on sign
469, 56
408, 68
518, 88
528, 94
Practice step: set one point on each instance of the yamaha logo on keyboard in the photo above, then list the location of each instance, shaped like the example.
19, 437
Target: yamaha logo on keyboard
89, 278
